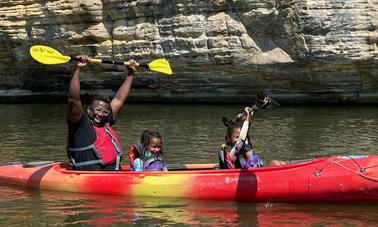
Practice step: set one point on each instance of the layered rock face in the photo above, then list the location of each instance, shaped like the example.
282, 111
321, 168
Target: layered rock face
219, 50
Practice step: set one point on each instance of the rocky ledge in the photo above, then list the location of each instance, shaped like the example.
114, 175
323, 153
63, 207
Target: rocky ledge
220, 51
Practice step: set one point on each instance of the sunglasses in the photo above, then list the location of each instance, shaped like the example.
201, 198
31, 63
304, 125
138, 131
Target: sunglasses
100, 112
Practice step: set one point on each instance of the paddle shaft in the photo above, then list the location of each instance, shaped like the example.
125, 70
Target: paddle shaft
108, 61
49, 56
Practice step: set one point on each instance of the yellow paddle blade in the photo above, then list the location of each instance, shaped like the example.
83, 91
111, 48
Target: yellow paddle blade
160, 65
47, 55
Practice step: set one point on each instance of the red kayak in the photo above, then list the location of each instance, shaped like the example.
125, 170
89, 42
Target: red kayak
337, 178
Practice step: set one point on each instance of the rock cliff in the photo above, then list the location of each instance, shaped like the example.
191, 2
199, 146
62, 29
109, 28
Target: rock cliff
297, 51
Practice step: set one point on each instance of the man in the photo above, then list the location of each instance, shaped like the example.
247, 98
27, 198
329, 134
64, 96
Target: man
92, 143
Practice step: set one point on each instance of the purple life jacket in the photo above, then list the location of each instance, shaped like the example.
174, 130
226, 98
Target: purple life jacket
247, 158
151, 162
156, 167
257, 162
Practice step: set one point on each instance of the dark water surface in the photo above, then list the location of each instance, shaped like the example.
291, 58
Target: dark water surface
191, 134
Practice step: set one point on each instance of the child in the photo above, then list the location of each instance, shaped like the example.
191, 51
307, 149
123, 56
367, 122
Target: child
238, 152
148, 154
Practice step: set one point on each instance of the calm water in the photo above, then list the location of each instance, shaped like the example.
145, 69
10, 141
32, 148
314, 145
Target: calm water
191, 134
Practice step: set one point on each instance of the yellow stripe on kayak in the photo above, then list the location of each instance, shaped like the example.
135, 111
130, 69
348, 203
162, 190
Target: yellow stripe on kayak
176, 185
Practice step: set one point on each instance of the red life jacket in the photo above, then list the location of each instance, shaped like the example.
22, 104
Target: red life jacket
107, 148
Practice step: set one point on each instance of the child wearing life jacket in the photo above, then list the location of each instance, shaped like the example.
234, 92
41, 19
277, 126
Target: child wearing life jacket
147, 155
238, 152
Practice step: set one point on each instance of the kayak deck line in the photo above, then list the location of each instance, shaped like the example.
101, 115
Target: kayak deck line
337, 161
335, 178
361, 172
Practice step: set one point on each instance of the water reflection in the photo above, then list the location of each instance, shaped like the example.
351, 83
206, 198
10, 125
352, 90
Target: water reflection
58, 208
